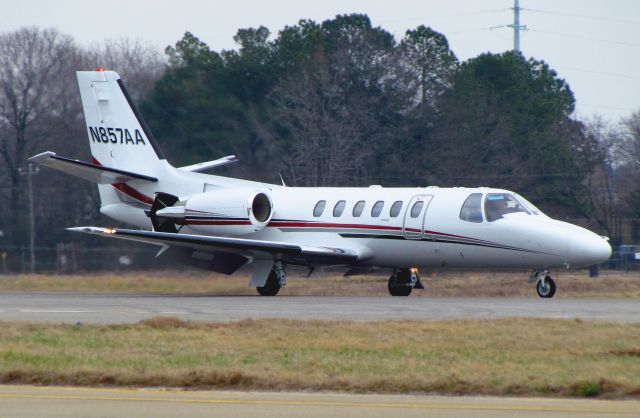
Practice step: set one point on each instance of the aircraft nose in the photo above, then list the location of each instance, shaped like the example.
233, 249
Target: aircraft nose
588, 249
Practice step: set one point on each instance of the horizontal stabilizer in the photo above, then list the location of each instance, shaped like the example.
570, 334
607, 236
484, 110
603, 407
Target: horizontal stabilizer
200, 167
290, 253
92, 172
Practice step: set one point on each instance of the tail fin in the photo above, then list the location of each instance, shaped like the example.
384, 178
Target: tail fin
118, 135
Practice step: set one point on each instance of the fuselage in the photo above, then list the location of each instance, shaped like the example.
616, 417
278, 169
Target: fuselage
388, 227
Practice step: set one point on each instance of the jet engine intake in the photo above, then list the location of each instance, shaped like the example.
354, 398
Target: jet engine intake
229, 211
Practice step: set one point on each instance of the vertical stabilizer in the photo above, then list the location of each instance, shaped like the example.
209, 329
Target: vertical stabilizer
118, 135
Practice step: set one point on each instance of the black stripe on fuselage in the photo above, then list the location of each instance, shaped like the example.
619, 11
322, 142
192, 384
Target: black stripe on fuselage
448, 240
440, 240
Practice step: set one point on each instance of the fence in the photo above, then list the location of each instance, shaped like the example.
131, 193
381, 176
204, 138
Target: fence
69, 258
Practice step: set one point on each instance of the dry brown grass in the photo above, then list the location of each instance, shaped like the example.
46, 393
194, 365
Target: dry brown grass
449, 284
497, 357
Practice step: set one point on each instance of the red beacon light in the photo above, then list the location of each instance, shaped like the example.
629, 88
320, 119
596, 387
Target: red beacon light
100, 69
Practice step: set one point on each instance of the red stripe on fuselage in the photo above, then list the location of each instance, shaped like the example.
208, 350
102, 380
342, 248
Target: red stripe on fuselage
126, 189
281, 224
133, 193
320, 225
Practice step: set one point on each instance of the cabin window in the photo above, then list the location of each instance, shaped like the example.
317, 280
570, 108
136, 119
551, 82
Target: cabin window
376, 210
416, 209
339, 208
395, 209
472, 208
317, 211
358, 208
496, 205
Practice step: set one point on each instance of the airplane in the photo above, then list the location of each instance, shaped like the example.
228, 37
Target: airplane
222, 223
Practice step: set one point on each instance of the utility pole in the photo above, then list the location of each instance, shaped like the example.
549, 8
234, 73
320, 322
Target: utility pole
30, 171
517, 27
32, 222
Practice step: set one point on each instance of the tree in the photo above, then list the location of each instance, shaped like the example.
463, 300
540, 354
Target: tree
139, 64
426, 55
425, 70
506, 123
336, 107
606, 197
208, 104
36, 69
326, 130
629, 156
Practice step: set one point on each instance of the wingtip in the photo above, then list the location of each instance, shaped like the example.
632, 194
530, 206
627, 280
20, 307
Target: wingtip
39, 158
92, 230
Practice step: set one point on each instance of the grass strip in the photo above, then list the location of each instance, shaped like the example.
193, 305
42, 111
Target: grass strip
495, 357
571, 284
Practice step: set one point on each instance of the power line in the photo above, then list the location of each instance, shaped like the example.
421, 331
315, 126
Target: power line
603, 106
580, 16
468, 30
588, 38
446, 15
598, 72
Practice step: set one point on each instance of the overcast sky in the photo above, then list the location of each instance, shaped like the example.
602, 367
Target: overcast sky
593, 44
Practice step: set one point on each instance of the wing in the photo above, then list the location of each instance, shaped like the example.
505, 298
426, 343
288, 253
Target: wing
208, 165
250, 248
92, 172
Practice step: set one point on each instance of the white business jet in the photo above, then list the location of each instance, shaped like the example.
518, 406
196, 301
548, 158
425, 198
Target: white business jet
222, 223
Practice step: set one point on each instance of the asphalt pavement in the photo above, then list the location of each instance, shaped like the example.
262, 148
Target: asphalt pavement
67, 402
121, 308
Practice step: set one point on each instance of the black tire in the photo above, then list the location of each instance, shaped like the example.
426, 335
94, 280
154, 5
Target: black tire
271, 287
400, 285
548, 290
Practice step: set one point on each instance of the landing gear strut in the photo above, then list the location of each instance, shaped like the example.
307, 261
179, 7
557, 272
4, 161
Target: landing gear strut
546, 286
402, 282
277, 278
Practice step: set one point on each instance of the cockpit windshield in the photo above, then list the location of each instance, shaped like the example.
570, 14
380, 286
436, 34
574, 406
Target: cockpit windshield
496, 205
534, 210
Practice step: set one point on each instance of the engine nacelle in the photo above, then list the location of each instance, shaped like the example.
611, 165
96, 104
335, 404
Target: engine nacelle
229, 211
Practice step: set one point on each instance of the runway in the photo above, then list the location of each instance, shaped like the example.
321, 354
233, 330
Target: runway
49, 402
118, 308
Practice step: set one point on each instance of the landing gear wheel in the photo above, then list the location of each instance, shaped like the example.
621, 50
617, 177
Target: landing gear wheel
400, 290
271, 287
546, 288
400, 283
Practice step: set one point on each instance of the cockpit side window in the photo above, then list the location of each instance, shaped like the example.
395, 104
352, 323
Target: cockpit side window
497, 205
472, 208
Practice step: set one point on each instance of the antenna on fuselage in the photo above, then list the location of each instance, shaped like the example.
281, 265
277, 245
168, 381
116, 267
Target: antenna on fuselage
281, 179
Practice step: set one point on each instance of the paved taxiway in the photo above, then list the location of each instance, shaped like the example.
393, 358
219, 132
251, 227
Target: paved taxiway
113, 308
49, 402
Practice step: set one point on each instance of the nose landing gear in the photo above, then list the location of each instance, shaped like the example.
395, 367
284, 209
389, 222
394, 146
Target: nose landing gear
546, 286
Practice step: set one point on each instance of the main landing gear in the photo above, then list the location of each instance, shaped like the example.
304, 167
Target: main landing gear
277, 278
545, 286
402, 282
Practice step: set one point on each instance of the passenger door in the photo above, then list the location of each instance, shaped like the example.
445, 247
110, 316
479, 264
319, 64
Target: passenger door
414, 216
